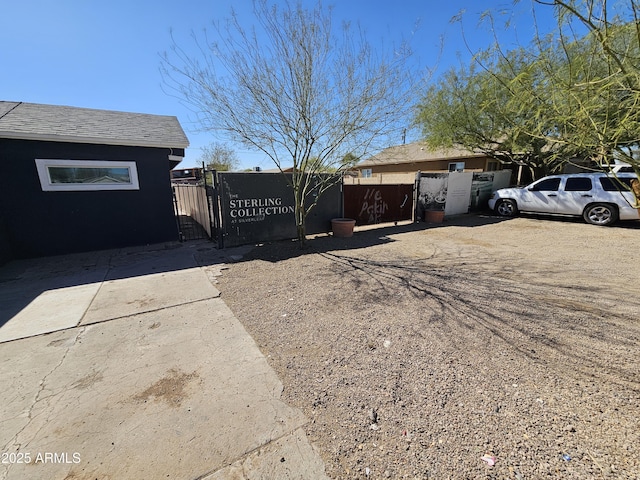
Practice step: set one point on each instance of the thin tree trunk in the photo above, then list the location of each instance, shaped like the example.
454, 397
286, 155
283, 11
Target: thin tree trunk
300, 214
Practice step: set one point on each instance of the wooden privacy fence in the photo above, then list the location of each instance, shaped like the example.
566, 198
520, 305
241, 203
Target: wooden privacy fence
192, 210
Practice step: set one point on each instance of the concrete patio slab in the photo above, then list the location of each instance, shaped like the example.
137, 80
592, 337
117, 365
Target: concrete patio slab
179, 393
148, 293
41, 295
127, 364
51, 310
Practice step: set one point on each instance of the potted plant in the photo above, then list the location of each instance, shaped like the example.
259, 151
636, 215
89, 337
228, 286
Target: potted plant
342, 227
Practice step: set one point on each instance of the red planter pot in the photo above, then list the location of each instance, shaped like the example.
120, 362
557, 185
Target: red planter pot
342, 227
434, 216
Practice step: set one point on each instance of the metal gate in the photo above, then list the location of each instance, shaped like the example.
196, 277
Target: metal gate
239, 208
373, 204
195, 205
259, 207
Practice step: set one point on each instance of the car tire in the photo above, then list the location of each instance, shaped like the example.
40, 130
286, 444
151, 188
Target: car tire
506, 208
602, 214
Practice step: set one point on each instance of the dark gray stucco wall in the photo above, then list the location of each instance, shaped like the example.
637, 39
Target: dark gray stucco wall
5, 244
40, 223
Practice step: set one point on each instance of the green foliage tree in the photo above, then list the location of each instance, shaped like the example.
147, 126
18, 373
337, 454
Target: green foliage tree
597, 91
297, 89
492, 107
572, 94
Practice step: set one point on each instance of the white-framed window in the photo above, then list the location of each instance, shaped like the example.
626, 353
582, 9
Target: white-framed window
456, 167
83, 175
366, 172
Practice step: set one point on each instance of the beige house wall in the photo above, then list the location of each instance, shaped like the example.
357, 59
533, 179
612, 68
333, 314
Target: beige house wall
383, 179
474, 164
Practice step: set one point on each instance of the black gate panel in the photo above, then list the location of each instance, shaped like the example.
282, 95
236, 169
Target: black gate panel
329, 206
372, 204
260, 207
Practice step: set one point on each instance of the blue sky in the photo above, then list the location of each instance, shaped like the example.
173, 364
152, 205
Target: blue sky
106, 54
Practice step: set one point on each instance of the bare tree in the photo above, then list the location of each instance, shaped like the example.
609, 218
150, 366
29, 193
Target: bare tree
307, 95
219, 157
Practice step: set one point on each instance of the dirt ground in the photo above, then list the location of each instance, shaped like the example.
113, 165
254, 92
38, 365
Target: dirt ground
416, 350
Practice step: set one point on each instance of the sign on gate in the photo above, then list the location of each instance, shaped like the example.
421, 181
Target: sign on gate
458, 193
260, 207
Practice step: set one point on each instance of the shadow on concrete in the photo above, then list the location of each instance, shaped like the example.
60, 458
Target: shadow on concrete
22, 281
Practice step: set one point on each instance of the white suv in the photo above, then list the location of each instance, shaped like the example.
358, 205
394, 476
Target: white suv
600, 198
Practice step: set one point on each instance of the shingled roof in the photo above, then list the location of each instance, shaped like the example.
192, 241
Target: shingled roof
414, 153
55, 123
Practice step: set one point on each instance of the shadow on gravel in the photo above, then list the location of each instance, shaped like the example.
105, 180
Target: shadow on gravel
620, 224
363, 237
566, 327
563, 328
371, 235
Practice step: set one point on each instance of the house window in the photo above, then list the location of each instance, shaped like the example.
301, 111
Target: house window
367, 172
456, 167
492, 165
79, 175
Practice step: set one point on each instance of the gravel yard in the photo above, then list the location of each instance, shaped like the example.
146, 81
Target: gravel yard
418, 349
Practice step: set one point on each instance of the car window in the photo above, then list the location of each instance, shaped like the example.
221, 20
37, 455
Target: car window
614, 185
548, 185
578, 184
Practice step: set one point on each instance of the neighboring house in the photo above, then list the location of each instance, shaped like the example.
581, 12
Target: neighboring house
414, 157
77, 179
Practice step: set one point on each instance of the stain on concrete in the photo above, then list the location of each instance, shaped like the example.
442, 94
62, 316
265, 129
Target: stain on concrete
72, 475
172, 388
87, 381
142, 302
58, 343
